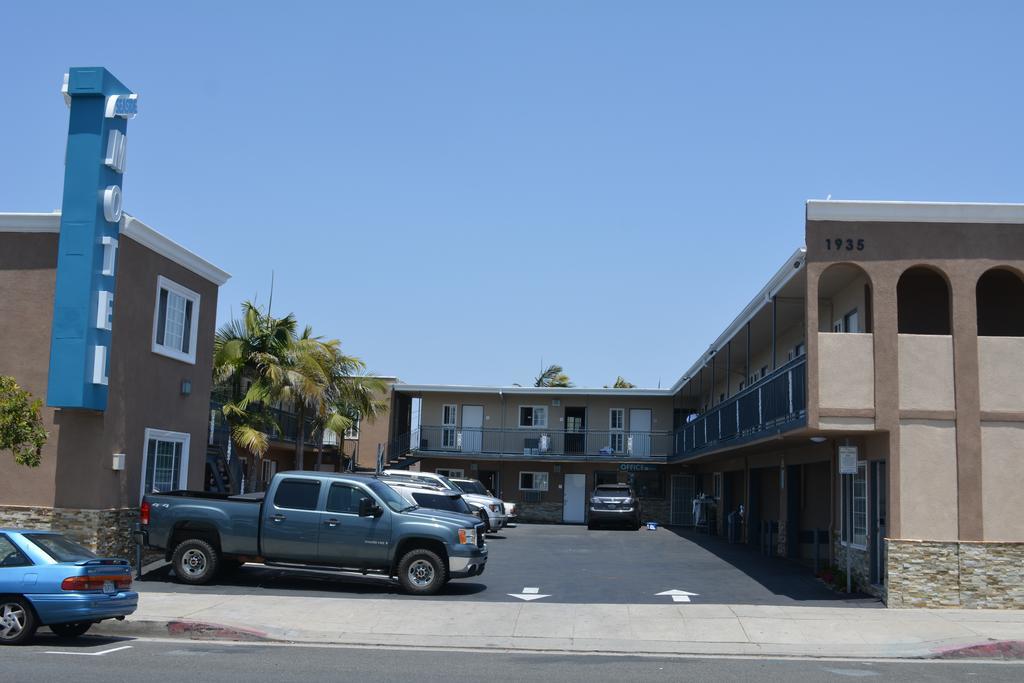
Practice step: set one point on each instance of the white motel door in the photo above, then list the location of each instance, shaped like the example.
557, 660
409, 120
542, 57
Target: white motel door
640, 432
574, 502
472, 428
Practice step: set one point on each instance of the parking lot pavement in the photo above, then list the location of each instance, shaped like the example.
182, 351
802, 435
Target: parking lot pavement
570, 564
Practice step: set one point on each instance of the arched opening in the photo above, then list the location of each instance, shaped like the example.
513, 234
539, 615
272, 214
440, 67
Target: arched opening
844, 299
922, 302
1000, 298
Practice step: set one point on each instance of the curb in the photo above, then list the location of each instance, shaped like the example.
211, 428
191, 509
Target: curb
1003, 650
193, 630
996, 649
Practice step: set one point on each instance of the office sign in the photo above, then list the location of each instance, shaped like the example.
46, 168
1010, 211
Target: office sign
83, 307
847, 460
637, 467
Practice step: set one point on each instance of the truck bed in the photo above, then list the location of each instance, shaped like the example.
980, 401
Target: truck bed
235, 519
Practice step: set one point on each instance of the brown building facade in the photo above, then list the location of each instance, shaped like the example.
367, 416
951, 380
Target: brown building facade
893, 342
96, 464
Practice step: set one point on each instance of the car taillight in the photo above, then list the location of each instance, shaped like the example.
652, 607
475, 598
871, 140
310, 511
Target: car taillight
144, 512
95, 583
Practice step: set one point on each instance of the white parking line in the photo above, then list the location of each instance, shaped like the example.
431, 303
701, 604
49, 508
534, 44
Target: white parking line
87, 654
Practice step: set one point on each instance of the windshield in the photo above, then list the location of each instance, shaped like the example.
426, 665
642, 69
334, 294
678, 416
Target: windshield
472, 486
61, 548
390, 497
611, 491
436, 501
447, 483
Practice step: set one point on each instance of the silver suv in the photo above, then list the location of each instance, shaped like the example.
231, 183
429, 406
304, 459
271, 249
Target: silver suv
494, 509
614, 503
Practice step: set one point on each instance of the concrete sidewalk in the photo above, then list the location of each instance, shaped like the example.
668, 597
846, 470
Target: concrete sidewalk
691, 629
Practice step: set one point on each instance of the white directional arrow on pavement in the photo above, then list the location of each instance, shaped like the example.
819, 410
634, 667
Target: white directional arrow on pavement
529, 594
678, 595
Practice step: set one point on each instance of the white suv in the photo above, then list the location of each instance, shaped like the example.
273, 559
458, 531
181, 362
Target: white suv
495, 509
476, 487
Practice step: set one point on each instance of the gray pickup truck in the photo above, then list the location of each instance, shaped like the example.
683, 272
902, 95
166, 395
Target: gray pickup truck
314, 520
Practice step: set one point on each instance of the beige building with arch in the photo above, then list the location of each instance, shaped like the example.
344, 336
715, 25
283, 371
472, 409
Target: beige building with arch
896, 335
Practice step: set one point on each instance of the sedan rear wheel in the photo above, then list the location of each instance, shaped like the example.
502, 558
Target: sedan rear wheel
17, 621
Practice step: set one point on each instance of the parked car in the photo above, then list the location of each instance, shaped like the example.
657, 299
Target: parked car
614, 503
496, 518
322, 520
476, 487
46, 579
433, 497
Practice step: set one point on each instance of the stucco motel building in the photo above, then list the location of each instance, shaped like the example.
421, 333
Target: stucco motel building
891, 347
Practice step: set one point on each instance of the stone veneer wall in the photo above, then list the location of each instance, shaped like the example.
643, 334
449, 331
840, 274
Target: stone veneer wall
106, 532
860, 564
540, 512
653, 509
955, 574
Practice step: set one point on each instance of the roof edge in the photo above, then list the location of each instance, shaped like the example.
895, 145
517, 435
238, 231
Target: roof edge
130, 226
913, 212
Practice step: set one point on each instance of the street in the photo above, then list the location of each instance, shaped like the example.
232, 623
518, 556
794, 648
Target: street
106, 660
570, 564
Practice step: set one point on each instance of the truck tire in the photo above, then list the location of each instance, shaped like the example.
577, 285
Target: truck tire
18, 621
195, 561
422, 572
486, 520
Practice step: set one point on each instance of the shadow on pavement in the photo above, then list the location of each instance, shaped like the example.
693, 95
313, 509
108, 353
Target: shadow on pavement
779, 575
44, 637
293, 581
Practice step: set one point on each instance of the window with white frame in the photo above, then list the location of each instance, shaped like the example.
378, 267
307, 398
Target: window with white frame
533, 481
535, 417
353, 431
269, 470
165, 461
175, 321
449, 415
855, 507
616, 427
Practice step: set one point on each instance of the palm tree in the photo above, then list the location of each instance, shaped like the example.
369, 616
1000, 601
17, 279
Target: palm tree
255, 349
353, 398
553, 376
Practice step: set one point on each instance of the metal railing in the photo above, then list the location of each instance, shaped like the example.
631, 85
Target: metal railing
287, 426
776, 403
539, 442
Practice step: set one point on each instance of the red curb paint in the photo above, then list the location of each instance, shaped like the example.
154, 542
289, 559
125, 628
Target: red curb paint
998, 649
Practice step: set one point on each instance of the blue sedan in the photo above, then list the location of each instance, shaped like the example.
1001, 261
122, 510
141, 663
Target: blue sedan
46, 579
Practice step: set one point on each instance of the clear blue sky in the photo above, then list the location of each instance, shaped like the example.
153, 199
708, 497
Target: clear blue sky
457, 190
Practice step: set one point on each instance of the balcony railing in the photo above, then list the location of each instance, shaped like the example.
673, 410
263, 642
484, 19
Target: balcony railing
540, 442
287, 422
775, 404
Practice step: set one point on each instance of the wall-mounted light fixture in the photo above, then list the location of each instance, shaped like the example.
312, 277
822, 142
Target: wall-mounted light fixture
117, 462
186, 387
818, 439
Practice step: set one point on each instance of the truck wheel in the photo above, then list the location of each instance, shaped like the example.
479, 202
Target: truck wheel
73, 630
195, 561
18, 621
422, 572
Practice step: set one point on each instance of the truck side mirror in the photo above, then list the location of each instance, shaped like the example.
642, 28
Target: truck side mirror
367, 508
